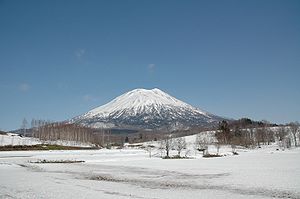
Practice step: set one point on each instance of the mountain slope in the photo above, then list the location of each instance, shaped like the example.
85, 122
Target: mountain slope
146, 109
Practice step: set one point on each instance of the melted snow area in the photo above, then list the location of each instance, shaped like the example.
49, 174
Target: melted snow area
130, 173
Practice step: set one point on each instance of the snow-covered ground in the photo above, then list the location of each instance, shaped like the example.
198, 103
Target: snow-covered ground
15, 139
130, 173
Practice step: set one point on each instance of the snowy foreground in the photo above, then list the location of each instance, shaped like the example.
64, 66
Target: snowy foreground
130, 173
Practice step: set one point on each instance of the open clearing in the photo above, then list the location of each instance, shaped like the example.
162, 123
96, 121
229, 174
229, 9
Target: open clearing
130, 173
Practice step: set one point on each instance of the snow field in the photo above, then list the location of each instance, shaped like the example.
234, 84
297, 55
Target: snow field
130, 173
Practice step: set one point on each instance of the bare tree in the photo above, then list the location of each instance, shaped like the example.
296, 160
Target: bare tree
12, 140
180, 144
202, 142
224, 134
218, 146
24, 126
281, 136
250, 139
288, 142
269, 135
149, 148
166, 144
260, 136
294, 127
281, 133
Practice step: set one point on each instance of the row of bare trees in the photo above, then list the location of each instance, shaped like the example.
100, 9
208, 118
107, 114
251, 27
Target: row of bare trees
61, 131
54, 131
242, 132
168, 143
202, 142
295, 131
257, 135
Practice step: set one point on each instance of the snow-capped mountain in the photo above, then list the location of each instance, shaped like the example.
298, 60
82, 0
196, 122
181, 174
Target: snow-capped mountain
146, 109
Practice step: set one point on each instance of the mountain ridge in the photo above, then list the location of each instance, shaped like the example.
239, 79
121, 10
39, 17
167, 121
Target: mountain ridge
146, 109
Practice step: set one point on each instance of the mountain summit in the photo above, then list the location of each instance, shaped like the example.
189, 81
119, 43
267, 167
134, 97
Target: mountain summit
146, 109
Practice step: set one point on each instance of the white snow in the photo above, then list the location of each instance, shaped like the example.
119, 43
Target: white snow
130, 173
15, 139
266, 172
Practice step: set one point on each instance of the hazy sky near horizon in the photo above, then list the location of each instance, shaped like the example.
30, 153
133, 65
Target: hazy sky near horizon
59, 59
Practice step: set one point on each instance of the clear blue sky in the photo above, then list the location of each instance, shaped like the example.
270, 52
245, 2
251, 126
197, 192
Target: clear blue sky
59, 59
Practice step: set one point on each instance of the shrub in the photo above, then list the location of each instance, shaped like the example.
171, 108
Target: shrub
211, 155
175, 157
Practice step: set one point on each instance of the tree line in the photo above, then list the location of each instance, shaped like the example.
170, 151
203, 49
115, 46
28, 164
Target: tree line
245, 132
